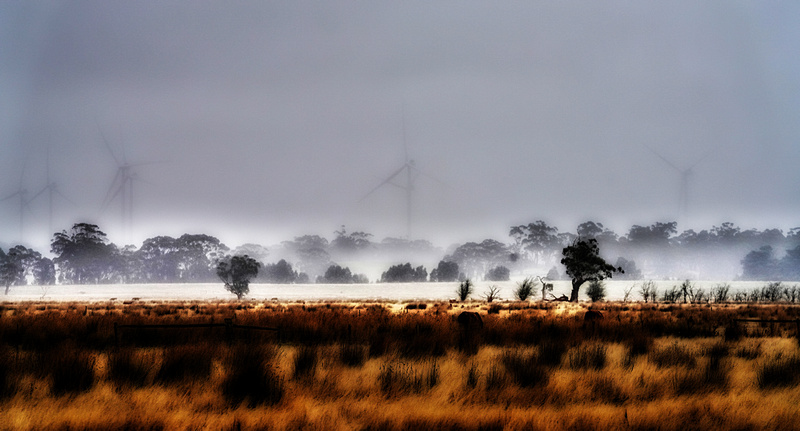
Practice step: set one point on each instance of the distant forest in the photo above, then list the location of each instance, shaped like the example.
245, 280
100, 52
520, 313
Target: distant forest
84, 255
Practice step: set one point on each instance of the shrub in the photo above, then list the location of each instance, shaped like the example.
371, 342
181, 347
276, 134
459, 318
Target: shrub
720, 292
648, 291
524, 289
401, 378
491, 294
551, 351
464, 290
596, 290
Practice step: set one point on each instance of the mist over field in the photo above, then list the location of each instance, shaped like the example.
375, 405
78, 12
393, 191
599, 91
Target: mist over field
451, 122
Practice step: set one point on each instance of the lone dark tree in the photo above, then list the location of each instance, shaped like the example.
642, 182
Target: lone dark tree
583, 262
236, 272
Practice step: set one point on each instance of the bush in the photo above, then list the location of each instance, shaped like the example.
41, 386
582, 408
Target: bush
524, 289
673, 356
491, 294
596, 290
464, 290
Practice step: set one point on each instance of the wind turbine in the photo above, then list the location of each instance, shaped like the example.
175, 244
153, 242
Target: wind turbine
24, 203
122, 186
686, 175
52, 189
407, 173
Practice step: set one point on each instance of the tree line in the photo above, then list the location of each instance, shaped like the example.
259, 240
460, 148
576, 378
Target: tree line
84, 255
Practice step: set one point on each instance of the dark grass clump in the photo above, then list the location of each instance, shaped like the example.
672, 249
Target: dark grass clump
128, 367
305, 362
551, 352
496, 378
472, 376
712, 377
605, 389
252, 377
352, 355
779, 372
185, 362
71, 370
592, 356
751, 351
7, 370
524, 369
401, 378
673, 356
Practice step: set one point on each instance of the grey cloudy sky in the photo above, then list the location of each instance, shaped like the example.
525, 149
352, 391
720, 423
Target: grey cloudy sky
274, 119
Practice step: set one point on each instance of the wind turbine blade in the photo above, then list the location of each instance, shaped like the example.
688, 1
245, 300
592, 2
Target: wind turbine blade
387, 181
108, 146
425, 174
113, 189
405, 143
664, 159
64, 197
11, 195
39, 193
705, 156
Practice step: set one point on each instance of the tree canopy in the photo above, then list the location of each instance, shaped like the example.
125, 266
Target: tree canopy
583, 262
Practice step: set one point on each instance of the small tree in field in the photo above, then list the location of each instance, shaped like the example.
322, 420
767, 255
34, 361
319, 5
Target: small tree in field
583, 262
236, 272
464, 290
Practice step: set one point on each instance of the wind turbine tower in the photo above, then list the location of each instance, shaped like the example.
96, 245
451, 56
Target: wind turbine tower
411, 173
122, 187
52, 189
683, 191
24, 202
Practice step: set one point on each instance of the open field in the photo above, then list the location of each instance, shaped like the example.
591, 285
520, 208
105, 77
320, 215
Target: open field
397, 366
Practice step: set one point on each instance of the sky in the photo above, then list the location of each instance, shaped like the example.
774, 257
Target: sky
259, 121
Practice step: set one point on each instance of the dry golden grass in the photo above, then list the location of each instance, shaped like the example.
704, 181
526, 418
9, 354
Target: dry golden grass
386, 367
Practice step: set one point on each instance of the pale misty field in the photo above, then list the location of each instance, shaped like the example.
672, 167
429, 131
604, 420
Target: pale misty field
333, 292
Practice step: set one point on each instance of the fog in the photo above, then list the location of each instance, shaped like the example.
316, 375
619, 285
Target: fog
259, 121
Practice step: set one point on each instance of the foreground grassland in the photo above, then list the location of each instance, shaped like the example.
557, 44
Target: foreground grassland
397, 367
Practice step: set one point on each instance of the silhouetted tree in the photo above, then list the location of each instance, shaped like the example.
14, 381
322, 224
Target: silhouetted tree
498, 273
445, 271
236, 272
44, 272
538, 240
790, 264
476, 258
352, 242
404, 274
336, 274
83, 254
199, 255
10, 269
280, 272
760, 265
583, 262
630, 271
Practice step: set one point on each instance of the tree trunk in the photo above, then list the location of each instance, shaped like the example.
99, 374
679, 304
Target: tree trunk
576, 285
